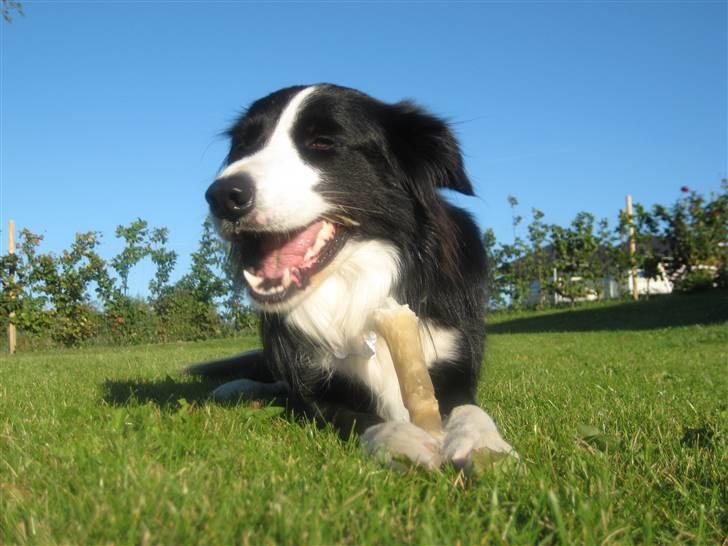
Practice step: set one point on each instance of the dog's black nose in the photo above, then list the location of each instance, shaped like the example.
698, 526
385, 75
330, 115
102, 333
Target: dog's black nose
231, 197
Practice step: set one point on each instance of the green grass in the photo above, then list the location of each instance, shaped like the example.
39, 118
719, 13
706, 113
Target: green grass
619, 413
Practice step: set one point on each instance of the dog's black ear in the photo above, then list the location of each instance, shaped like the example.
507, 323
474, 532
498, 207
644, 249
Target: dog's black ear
426, 149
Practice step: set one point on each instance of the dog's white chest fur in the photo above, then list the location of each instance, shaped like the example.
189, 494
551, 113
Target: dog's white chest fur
336, 316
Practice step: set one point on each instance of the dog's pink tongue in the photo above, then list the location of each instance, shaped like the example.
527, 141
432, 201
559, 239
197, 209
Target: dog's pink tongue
283, 253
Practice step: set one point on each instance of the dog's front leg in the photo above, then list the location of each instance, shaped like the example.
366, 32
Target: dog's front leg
249, 373
249, 364
344, 420
250, 390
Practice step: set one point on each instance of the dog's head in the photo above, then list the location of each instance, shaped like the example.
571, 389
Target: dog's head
311, 168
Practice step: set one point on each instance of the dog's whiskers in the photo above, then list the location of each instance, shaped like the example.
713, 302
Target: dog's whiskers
340, 219
345, 207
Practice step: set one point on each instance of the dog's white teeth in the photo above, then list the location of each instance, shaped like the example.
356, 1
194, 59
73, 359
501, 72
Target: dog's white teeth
324, 235
253, 280
326, 232
318, 246
277, 289
286, 280
256, 283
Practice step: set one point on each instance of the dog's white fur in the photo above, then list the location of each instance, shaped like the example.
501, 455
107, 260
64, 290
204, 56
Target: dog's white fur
336, 315
358, 280
284, 194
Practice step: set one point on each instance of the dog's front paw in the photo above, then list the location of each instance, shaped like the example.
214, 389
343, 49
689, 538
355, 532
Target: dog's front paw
248, 389
472, 441
397, 442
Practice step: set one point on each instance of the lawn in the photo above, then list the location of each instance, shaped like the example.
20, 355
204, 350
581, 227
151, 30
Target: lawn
619, 412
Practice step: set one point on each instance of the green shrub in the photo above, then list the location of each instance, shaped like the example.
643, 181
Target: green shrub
78, 323
130, 321
697, 280
183, 316
721, 279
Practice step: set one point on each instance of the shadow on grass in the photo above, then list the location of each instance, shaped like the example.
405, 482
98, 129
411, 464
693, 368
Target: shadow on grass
657, 312
171, 393
164, 393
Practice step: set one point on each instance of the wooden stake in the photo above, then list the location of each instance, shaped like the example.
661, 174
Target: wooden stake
11, 250
632, 250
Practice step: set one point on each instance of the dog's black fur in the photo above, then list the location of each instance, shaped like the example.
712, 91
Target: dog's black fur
381, 167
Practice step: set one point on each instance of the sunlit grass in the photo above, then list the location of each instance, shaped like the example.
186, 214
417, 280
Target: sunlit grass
618, 411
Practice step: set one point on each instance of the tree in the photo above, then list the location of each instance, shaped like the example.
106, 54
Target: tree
65, 280
135, 236
19, 293
581, 257
649, 251
189, 309
495, 283
8, 6
163, 259
206, 276
693, 234
512, 270
537, 257
696, 230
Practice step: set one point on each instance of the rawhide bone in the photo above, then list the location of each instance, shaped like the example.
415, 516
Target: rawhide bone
397, 324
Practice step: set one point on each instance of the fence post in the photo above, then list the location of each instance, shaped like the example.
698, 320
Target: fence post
632, 250
11, 250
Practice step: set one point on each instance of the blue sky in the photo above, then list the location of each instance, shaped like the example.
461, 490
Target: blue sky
112, 110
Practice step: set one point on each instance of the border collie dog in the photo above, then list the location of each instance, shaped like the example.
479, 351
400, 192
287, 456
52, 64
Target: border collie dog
330, 201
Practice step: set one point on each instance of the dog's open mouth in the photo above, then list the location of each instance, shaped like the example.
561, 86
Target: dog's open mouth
289, 260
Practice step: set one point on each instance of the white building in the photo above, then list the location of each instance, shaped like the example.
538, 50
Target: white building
611, 288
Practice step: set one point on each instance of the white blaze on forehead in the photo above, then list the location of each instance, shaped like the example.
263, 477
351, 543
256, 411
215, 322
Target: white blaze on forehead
284, 184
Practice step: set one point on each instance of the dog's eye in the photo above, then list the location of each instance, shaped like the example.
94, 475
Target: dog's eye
321, 143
